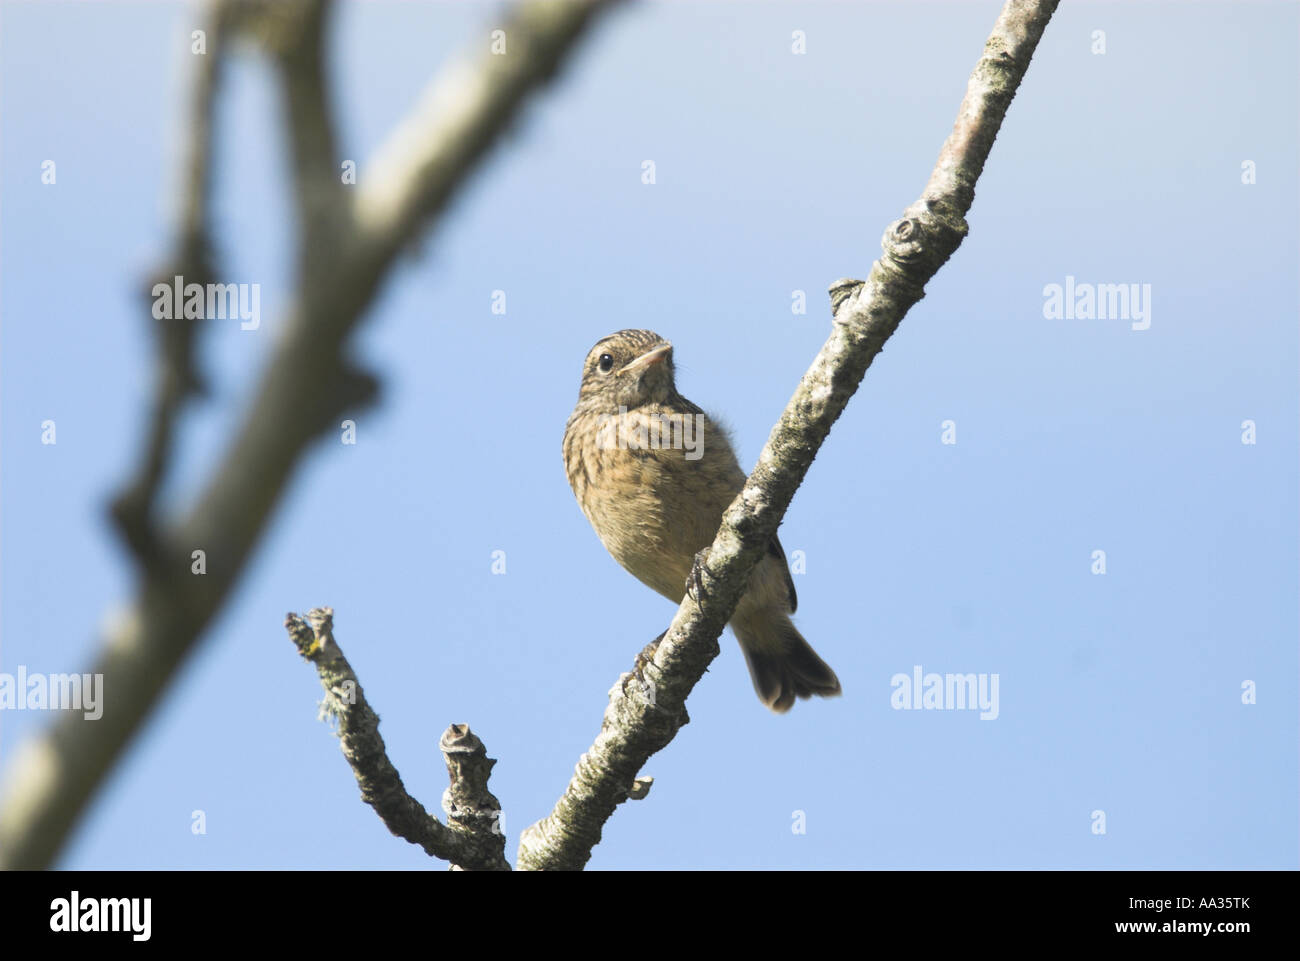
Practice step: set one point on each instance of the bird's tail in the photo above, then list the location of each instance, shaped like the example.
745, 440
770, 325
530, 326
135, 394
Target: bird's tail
782, 664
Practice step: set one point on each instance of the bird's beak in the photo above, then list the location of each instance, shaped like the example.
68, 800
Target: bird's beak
649, 357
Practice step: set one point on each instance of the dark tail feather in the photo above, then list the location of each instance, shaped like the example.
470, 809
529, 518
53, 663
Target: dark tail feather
782, 664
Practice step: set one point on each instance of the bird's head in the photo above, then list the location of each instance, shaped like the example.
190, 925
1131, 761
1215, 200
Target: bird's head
628, 369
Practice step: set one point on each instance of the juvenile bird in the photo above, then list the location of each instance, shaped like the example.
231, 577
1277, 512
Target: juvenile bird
653, 473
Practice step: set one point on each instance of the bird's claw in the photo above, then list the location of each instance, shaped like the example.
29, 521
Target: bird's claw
695, 580
647, 654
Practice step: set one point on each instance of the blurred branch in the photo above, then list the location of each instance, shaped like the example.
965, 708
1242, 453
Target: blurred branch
323, 204
475, 840
411, 178
176, 377
647, 706
307, 385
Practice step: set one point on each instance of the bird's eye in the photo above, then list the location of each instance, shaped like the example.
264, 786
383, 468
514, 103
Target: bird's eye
606, 363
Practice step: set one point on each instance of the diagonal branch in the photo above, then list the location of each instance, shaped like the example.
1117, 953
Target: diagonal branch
647, 707
474, 840
308, 383
414, 175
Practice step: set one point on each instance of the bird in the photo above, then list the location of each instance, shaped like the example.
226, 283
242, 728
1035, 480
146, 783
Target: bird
653, 473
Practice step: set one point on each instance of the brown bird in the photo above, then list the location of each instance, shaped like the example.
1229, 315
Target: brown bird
653, 473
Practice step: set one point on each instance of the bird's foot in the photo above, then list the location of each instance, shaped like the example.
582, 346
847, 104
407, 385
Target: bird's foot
647, 654
695, 580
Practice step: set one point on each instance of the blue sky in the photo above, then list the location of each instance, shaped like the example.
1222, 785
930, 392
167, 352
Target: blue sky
775, 172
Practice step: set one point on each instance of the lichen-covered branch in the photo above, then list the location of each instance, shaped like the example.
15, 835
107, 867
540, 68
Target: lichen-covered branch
474, 840
308, 384
647, 706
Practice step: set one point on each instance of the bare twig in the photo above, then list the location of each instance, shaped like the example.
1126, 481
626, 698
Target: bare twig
474, 840
865, 315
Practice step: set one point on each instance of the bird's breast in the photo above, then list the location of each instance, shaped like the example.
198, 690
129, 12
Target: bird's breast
654, 489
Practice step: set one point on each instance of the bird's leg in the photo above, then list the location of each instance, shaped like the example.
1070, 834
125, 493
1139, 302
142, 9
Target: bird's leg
695, 580
639, 675
649, 692
647, 654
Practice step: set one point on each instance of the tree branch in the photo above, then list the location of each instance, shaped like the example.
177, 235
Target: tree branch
474, 841
307, 385
323, 204
176, 377
647, 706
411, 178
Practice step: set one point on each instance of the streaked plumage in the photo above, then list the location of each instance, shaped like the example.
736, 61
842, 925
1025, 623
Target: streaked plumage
654, 509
